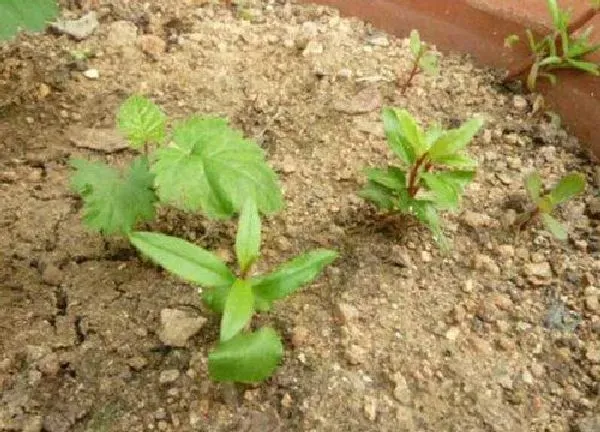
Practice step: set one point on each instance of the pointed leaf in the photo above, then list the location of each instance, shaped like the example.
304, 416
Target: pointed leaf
30, 15
554, 12
212, 168
533, 186
455, 140
459, 178
183, 259
239, 309
551, 60
588, 67
292, 275
403, 133
114, 203
554, 227
425, 212
141, 121
216, 297
247, 357
247, 242
445, 194
415, 43
379, 195
393, 178
457, 160
567, 188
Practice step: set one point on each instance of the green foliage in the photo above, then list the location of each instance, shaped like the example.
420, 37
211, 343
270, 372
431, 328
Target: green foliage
433, 173
241, 355
545, 204
114, 203
31, 15
560, 49
208, 166
422, 59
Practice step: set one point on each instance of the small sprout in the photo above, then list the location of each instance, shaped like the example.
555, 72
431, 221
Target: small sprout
434, 169
423, 59
511, 40
242, 355
545, 204
559, 50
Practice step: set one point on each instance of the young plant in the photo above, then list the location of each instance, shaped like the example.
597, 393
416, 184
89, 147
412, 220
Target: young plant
422, 59
433, 173
203, 165
242, 355
544, 205
30, 15
558, 50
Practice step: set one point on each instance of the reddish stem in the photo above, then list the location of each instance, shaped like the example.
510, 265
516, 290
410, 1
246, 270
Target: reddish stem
413, 186
413, 72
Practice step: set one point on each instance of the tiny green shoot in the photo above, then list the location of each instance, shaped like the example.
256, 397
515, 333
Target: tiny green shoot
242, 355
433, 173
423, 59
545, 204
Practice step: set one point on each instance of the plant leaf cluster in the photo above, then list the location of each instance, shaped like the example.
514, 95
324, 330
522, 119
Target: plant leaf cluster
432, 175
422, 57
242, 355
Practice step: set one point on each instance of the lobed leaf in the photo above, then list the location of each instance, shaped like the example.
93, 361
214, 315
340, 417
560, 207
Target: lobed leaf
238, 311
30, 15
212, 168
247, 357
569, 186
554, 227
247, 242
114, 203
141, 121
183, 259
455, 140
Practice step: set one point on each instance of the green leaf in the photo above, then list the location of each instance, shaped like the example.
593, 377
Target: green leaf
445, 194
114, 203
511, 40
392, 178
183, 259
533, 186
141, 121
455, 140
426, 212
415, 43
569, 186
432, 134
429, 63
292, 275
403, 133
211, 167
588, 67
216, 297
552, 60
554, 227
247, 242
239, 309
379, 195
459, 178
458, 160
247, 357
30, 15
554, 13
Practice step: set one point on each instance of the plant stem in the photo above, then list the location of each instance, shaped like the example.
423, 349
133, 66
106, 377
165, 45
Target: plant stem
413, 186
413, 72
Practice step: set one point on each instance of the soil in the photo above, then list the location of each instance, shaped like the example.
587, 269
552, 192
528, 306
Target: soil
500, 334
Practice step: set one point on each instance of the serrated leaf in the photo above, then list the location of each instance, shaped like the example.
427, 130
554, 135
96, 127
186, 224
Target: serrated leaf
445, 194
29, 15
460, 161
458, 178
415, 43
429, 63
141, 121
114, 203
292, 275
533, 186
432, 134
404, 135
183, 259
247, 357
455, 140
554, 227
392, 178
239, 308
567, 188
211, 167
247, 242
379, 195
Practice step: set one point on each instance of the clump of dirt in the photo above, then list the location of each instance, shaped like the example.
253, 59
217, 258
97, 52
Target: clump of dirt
502, 334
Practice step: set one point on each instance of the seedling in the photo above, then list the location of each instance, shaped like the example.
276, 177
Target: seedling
203, 165
241, 355
558, 50
30, 15
544, 205
423, 59
433, 173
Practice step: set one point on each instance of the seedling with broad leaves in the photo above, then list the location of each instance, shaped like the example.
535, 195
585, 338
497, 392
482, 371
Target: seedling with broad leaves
203, 165
559, 50
423, 59
433, 173
242, 355
29, 15
545, 204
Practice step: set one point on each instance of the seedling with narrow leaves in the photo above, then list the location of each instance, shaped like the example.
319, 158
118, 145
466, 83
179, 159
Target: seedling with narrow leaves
559, 50
433, 173
545, 204
242, 355
202, 165
423, 59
